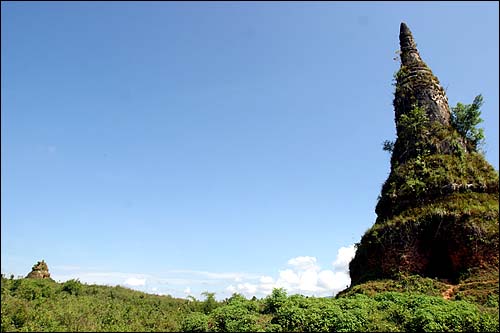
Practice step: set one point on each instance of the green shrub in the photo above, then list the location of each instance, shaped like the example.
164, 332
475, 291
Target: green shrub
72, 287
195, 322
233, 318
275, 300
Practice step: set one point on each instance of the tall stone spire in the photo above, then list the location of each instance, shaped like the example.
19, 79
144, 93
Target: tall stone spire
437, 213
416, 84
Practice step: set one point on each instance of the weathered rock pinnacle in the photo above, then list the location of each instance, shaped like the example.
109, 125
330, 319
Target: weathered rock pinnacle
417, 85
39, 271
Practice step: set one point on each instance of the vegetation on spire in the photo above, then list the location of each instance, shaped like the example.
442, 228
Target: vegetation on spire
465, 118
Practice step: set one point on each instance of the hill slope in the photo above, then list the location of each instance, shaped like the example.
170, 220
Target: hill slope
42, 305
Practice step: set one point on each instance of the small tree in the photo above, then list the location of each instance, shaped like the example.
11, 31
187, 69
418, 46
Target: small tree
274, 301
465, 118
72, 287
388, 145
209, 303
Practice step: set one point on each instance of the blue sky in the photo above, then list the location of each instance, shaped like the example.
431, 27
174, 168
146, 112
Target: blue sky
230, 147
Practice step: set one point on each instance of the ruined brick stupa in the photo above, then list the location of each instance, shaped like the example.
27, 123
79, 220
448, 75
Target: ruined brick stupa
39, 271
437, 214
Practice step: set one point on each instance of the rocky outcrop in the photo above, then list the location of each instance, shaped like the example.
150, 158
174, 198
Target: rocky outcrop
39, 271
437, 214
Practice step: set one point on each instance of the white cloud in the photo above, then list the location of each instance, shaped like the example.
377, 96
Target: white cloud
326, 279
288, 278
304, 263
135, 282
266, 279
247, 288
308, 281
333, 280
171, 282
344, 256
304, 276
234, 276
266, 284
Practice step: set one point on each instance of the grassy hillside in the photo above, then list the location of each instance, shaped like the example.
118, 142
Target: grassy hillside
406, 304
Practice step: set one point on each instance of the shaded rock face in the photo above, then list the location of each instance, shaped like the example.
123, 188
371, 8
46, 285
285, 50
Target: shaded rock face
39, 271
437, 214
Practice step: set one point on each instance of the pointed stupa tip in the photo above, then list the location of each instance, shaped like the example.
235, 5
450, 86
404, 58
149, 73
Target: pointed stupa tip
406, 41
404, 30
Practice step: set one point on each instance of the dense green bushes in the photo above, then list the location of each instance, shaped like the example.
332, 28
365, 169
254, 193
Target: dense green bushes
195, 322
41, 305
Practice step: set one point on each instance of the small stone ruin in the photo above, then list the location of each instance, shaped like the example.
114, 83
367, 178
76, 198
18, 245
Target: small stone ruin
39, 271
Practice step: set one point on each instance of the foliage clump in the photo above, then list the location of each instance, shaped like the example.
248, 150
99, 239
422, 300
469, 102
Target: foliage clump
465, 118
